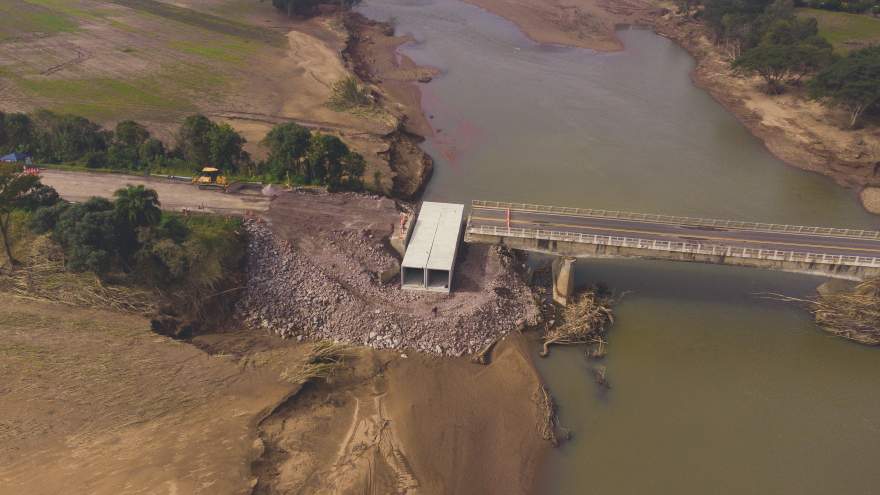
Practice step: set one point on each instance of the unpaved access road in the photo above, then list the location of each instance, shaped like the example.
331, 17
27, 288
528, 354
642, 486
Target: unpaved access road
174, 195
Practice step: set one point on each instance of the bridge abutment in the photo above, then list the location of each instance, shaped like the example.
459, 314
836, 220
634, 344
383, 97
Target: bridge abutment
563, 279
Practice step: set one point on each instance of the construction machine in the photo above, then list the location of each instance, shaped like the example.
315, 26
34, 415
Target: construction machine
210, 178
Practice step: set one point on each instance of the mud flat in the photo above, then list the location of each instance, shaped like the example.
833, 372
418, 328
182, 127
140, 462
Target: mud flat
802, 133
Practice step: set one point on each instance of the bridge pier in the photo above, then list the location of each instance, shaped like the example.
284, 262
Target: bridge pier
563, 279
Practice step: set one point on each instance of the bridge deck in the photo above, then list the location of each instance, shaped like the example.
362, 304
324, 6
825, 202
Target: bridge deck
744, 239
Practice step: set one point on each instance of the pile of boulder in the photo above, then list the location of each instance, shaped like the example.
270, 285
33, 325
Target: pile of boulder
338, 293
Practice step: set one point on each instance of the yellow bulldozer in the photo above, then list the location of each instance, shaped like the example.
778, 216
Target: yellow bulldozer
210, 178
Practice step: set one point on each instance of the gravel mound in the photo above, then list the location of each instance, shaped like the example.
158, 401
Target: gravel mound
335, 294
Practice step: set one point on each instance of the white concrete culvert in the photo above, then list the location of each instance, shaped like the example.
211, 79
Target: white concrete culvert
336, 296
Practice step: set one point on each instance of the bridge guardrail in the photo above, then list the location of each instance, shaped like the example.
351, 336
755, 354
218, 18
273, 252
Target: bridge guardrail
678, 220
679, 247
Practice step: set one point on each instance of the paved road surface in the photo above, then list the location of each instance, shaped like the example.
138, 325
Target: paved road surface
738, 238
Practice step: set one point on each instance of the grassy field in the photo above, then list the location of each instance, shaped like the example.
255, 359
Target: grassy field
140, 59
846, 31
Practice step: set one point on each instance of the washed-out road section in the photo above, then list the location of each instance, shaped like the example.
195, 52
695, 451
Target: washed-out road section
173, 194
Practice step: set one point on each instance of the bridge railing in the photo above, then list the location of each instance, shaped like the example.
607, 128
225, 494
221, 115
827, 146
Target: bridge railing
678, 247
677, 220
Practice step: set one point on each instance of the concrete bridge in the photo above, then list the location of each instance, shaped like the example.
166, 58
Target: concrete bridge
574, 233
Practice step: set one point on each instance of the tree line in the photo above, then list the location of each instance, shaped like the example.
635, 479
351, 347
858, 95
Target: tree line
766, 38
306, 8
852, 6
295, 153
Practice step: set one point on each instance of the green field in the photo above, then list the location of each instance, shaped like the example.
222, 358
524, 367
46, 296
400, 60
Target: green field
17, 17
140, 59
846, 31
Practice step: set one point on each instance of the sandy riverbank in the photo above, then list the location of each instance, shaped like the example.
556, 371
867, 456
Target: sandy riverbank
802, 133
413, 425
96, 403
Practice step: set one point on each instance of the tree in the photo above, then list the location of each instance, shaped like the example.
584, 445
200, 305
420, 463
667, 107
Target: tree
18, 130
324, 152
15, 191
853, 83
226, 148
138, 206
287, 144
308, 7
130, 134
779, 62
66, 138
686, 6
772, 62
201, 142
193, 143
89, 234
347, 173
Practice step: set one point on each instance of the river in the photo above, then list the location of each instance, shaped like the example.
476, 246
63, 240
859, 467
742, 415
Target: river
714, 389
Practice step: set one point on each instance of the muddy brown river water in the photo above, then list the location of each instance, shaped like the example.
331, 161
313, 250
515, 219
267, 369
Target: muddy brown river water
714, 389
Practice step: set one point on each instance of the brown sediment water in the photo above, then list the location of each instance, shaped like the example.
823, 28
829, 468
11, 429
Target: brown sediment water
714, 389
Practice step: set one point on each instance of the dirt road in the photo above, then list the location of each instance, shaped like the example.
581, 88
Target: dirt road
174, 195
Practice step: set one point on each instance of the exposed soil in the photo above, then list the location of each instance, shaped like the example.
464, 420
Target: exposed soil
802, 133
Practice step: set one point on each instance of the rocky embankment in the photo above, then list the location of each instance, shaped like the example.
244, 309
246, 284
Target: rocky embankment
337, 295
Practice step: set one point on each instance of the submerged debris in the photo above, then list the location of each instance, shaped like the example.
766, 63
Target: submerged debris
549, 427
600, 374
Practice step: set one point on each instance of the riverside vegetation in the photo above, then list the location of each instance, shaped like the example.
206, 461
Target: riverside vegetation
768, 38
296, 154
123, 254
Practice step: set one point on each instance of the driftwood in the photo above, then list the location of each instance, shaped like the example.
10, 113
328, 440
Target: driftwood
485, 355
324, 360
549, 426
584, 321
853, 314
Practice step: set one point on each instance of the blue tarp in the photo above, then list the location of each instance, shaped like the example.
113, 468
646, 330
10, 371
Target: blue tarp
15, 157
